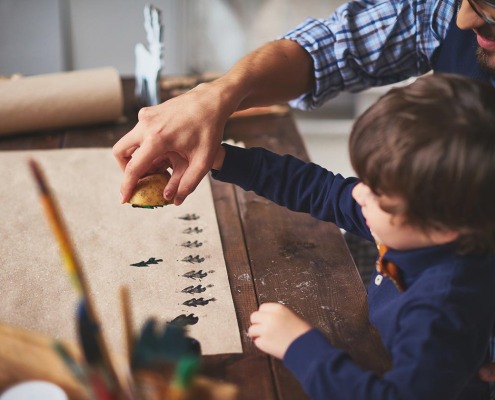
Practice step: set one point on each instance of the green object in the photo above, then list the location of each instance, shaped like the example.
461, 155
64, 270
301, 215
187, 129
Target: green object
159, 345
77, 370
185, 370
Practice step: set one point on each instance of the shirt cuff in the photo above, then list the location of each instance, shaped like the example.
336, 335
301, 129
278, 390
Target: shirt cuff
304, 355
238, 166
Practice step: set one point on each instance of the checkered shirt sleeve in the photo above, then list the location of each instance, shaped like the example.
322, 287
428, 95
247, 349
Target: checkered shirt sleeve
368, 43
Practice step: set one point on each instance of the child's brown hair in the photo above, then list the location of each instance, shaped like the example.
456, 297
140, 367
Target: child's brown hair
432, 143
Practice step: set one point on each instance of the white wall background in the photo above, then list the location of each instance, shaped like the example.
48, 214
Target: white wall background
31, 39
38, 36
225, 30
105, 33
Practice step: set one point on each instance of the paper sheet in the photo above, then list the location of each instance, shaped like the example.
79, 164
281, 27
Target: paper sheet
108, 237
60, 100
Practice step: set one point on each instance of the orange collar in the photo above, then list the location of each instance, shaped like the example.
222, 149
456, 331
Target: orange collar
388, 268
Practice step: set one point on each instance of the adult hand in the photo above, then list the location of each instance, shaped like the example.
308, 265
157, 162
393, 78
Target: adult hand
191, 126
184, 132
274, 327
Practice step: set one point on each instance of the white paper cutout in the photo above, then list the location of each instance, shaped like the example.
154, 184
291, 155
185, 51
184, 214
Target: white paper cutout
149, 60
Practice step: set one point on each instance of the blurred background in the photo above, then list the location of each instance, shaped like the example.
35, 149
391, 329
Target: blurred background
43, 36
38, 36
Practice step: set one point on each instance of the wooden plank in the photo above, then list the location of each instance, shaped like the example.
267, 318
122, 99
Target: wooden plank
252, 369
251, 374
34, 140
97, 136
240, 278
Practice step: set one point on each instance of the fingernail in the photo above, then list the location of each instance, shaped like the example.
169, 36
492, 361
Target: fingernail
168, 195
178, 201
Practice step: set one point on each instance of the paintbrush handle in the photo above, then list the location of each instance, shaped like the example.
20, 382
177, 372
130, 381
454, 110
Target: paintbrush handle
59, 230
127, 319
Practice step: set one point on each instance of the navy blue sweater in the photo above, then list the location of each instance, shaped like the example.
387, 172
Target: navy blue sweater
436, 331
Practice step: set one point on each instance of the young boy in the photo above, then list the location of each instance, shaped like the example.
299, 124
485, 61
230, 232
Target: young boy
425, 158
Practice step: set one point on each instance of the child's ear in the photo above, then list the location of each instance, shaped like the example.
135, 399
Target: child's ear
443, 236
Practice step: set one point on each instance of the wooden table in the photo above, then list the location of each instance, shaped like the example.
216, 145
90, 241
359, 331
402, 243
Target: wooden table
271, 254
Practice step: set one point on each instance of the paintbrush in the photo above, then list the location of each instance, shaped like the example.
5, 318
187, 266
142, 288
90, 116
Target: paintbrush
99, 375
94, 347
75, 368
127, 319
125, 303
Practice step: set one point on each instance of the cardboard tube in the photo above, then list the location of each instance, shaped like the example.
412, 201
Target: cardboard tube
60, 100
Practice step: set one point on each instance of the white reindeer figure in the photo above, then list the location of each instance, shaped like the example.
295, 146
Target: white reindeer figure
149, 60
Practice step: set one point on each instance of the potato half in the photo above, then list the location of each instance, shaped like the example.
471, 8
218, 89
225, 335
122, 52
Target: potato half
149, 192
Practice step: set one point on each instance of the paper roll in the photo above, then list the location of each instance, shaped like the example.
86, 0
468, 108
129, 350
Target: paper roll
60, 100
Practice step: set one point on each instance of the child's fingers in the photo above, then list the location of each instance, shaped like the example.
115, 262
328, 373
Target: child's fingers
254, 331
256, 317
271, 307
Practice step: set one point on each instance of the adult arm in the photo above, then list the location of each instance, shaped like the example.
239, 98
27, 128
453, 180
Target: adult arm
292, 183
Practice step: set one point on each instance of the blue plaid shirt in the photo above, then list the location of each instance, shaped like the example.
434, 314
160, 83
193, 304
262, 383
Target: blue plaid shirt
368, 43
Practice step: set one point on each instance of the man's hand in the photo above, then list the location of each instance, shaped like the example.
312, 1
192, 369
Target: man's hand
191, 126
274, 327
183, 133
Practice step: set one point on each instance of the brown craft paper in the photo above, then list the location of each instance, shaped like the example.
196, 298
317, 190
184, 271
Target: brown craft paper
60, 100
108, 237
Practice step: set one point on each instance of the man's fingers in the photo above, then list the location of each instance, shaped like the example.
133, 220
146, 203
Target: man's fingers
179, 166
125, 147
196, 171
136, 168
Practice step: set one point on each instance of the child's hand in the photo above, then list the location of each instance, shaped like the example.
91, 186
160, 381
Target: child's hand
274, 327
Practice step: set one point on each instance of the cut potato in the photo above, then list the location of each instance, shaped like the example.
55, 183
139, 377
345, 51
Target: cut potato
149, 192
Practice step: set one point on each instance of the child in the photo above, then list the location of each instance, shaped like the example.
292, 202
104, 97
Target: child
425, 158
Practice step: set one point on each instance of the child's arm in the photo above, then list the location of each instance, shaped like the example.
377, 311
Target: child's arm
274, 327
292, 183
